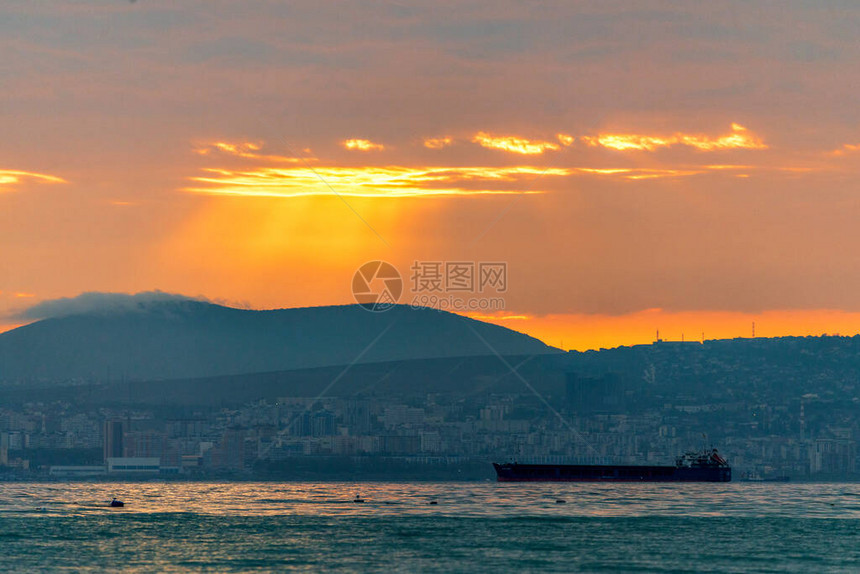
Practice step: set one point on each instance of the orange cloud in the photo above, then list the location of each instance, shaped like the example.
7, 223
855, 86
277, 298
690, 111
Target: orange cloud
362, 145
438, 143
624, 142
726, 167
422, 181
565, 139
636, 173
513, 144
390, 181
400, 181
9, 177
847, 148
241, 149
247, 150
739, 138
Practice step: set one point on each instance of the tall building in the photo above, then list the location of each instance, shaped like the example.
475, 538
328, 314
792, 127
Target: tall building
113, 435
230, 454
4, 448
590, 395
144, 444
320, 423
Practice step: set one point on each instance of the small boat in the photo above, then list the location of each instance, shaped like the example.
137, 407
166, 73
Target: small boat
358, 498
116, 503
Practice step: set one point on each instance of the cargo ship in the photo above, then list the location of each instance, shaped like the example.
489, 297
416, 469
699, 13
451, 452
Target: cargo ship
704, 466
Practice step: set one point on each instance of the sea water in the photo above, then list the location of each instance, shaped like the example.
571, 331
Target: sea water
473, 527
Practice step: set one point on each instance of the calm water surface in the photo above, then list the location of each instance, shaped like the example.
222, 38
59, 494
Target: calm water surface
474, 527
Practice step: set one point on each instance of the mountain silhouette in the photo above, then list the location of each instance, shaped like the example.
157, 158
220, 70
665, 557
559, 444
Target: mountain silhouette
188, 338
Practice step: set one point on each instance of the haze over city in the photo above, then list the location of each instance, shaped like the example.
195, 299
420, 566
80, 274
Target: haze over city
689, 168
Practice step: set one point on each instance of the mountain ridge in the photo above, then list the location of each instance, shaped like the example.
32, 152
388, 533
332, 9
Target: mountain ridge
192, 338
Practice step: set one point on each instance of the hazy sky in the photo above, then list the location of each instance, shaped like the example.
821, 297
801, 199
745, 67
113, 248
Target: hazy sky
638, 165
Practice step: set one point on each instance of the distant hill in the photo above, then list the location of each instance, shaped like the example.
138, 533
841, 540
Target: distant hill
409, 381
186, 339
765, 370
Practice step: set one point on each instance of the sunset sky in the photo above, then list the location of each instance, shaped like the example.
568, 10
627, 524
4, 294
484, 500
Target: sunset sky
687, 167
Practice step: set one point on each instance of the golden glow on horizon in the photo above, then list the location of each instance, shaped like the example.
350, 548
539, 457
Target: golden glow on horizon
10, 177
378, 182
362, 145
501, 316
583, 332
514, 144
438, 143
10, 326
739, 138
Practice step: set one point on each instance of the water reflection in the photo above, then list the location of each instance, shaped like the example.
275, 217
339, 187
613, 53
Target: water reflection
452, 499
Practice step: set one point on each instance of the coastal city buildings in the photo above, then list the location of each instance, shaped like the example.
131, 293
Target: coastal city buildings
758, 442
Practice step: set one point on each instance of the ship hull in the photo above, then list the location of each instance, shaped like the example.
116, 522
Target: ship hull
608, 473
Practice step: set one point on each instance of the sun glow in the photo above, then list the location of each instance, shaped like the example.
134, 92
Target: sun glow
280, 253
400, 181
624, 142
379, 182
